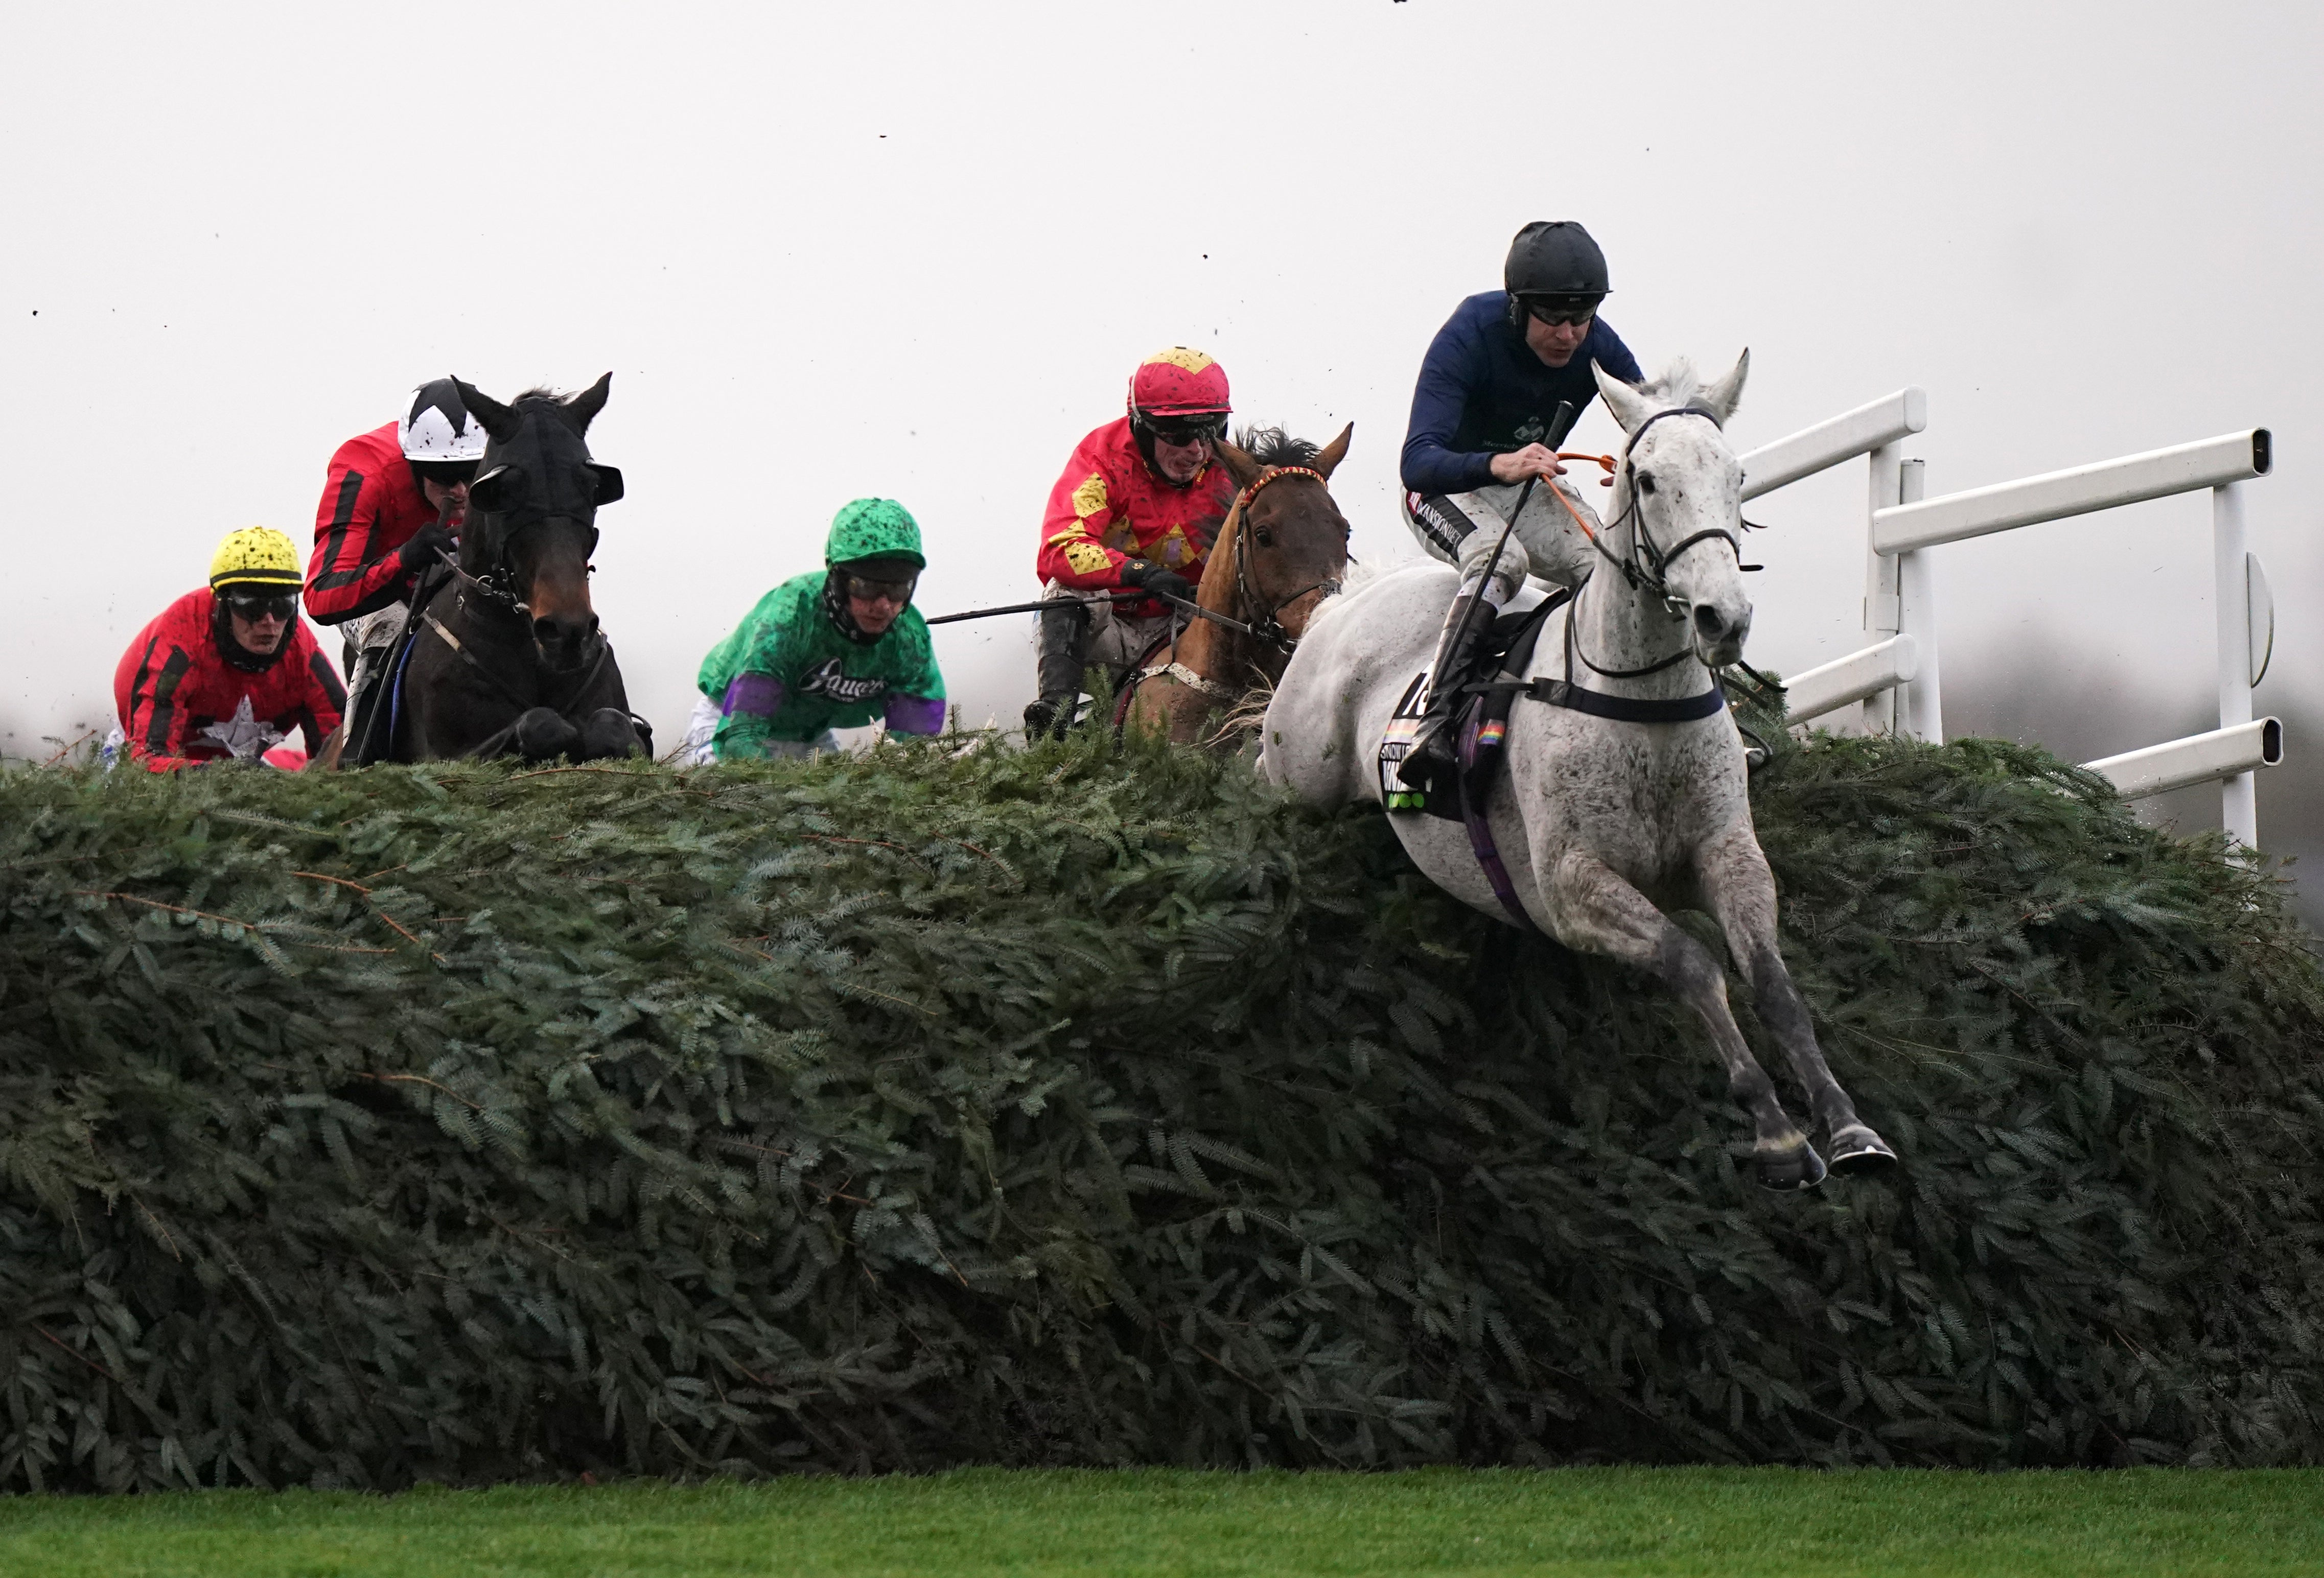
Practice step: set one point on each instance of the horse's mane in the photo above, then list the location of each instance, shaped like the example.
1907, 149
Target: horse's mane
540, 395
1274, 446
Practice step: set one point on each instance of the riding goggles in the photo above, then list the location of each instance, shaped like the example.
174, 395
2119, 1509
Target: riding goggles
261, 605
1184, 430
869, 590
445, 474
1561, 310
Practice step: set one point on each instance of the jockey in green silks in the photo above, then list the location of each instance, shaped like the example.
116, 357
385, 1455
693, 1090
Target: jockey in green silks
825, 651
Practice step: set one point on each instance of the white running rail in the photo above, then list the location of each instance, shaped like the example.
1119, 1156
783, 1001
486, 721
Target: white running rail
1897, 678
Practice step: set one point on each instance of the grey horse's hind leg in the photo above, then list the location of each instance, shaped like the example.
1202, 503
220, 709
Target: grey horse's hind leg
1741, 894
1594, 910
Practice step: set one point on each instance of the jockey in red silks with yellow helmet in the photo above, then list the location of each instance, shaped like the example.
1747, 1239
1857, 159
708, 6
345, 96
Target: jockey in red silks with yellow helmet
228, 671
1136, 508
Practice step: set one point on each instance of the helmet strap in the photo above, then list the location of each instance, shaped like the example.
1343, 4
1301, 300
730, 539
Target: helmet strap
835, 609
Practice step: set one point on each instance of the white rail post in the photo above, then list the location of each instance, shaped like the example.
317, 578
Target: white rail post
2230, 590
1920, 703
1880, 601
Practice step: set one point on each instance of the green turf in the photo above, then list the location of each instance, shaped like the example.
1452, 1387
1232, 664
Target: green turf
1626, 1522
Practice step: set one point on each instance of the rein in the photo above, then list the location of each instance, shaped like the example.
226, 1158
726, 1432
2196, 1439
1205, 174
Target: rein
493, 585
1646, 566
1265, 628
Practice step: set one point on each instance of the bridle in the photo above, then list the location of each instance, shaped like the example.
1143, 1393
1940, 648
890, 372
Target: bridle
1646, 567
1266, 627
497, 586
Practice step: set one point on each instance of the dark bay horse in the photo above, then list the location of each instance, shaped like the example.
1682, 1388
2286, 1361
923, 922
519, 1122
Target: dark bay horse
504, 655
1282, 550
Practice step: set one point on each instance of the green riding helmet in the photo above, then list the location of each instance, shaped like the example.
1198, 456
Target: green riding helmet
874, 529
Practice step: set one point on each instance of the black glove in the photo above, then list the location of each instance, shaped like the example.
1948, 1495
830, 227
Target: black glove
1152, 578
421, 550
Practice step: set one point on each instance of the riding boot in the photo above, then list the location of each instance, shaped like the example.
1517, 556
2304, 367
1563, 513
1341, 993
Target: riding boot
1492, 567
363, 690
1063, 654
1435, 753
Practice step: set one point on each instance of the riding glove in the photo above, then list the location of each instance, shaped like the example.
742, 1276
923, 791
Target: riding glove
421, 550
1146, 576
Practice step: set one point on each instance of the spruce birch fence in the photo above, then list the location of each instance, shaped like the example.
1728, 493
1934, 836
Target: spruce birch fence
1897, 679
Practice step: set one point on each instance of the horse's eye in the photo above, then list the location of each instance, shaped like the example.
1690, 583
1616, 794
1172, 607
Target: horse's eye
1645, 481
1266, 539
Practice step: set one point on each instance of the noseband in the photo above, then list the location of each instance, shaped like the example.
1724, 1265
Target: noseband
1265, 625
1646, 566
497, 586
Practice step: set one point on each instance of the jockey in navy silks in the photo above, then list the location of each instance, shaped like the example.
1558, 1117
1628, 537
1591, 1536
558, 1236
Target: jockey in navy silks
1503, 382
834, 649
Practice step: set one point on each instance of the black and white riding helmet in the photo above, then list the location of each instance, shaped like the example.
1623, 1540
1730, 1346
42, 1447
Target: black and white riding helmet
437, 427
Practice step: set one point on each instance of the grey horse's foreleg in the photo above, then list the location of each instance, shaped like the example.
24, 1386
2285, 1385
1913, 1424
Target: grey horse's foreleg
1740, 893
1593, 909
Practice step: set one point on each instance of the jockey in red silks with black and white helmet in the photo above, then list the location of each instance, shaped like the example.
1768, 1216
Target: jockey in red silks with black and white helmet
1136, 508
393, 499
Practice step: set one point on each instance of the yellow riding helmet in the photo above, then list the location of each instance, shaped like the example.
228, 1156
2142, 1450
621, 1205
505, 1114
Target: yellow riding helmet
255, 556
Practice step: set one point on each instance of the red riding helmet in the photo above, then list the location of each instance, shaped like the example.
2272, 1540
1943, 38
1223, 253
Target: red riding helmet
1177, 384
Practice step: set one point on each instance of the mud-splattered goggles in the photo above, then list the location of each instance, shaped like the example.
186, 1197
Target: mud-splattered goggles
872, 590
261, 605
1185, 430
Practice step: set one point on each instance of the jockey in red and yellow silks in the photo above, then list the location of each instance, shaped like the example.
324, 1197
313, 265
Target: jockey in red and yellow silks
1136, 508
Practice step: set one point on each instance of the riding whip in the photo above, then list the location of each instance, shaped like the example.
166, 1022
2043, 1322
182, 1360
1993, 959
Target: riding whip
1116, 598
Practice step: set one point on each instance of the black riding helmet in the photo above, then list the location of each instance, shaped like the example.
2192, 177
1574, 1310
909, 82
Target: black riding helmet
1556, 264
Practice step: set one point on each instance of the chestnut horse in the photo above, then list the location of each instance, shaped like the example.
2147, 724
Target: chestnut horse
1282, 550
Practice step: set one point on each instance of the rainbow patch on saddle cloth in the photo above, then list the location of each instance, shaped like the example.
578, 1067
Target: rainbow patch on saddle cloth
1396, 741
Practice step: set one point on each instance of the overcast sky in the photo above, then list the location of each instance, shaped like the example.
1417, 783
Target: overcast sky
914, 251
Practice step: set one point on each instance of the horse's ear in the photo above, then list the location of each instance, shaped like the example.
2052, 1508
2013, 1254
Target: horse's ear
582, 408
497, 420
1724, 396
1629, 406
1240, 465
1328, 458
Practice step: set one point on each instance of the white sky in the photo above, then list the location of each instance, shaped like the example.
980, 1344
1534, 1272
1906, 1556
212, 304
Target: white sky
916, 250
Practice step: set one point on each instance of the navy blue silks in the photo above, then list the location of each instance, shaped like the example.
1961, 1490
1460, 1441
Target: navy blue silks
1483, 392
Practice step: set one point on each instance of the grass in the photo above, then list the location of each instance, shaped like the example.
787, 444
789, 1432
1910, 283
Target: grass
1607, 1523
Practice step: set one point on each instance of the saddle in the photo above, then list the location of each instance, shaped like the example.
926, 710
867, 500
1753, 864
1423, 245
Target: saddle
1494, 678
1489, 688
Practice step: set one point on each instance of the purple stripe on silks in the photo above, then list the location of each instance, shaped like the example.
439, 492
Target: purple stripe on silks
758, 695
916, 714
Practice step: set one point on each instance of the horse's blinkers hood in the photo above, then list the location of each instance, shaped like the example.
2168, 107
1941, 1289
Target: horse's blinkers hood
536, 464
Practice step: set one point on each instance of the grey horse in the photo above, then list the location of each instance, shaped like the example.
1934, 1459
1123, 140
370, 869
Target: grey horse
1597, 818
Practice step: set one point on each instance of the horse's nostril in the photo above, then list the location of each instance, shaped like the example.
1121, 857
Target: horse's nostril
549, 629
1708, 622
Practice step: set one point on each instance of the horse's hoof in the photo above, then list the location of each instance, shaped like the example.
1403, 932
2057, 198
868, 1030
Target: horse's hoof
542, 735
1792, 1169
1857, 1148
608, 733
